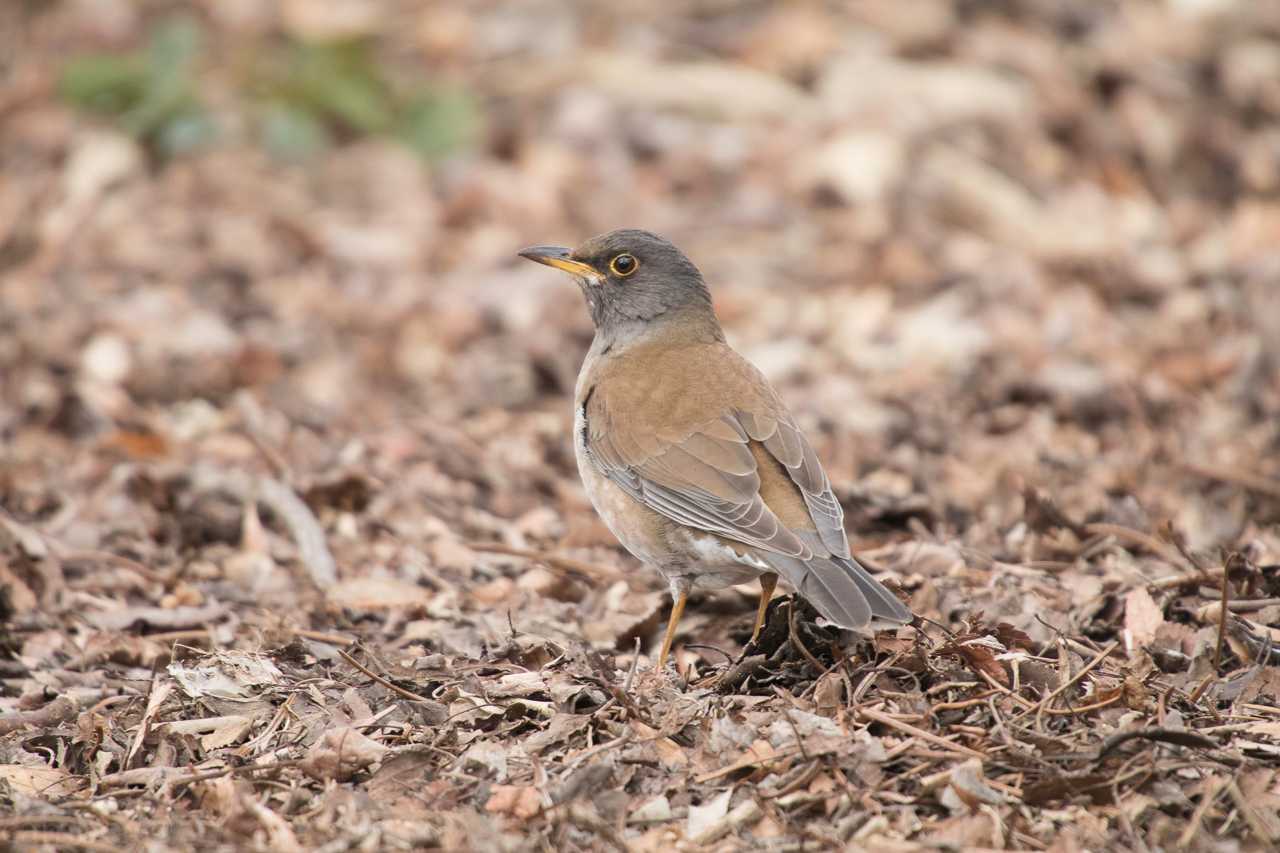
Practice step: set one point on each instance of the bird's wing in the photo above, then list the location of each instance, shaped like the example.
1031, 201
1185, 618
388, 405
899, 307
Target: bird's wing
780, 436
746, 474
708, 480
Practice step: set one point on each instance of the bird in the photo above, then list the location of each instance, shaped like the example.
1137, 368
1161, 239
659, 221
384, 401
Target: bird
687, 453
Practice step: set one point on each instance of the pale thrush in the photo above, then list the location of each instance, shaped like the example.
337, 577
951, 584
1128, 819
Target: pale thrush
687, 452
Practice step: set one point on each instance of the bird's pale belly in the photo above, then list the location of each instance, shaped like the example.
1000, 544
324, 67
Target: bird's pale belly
693, 559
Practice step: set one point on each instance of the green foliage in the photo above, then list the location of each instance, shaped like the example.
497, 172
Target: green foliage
151, 93
307, 95
434, 123
291, 133
337, 82
323, 89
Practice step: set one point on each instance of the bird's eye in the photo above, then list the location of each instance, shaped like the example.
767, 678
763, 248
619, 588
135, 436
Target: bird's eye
624, 265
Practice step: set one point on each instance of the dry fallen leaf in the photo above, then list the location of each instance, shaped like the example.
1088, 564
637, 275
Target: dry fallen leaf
340, 754
43, 782
828, 696
1142, 618
969, 785
522, 801
366, 593
978, 658
702, 818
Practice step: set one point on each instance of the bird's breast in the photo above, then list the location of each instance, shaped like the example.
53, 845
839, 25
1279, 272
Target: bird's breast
640, 530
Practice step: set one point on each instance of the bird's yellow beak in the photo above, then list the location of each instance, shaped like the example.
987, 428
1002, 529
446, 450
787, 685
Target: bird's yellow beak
559, 257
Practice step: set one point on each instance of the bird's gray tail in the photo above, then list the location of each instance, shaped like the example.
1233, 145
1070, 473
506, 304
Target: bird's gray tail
842, 591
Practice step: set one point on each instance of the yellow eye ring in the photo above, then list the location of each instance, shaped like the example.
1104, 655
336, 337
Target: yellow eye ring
624, 264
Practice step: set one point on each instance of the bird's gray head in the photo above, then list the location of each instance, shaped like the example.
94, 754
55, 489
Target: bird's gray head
631, 277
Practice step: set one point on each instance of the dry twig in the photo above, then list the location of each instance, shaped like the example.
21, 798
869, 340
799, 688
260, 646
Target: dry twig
1044, 703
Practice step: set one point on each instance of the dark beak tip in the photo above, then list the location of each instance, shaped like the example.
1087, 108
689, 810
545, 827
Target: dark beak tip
541, 253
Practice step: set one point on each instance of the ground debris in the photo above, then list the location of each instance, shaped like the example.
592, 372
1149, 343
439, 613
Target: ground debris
293, 551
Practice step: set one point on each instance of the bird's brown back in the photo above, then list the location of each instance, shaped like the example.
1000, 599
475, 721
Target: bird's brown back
670, 395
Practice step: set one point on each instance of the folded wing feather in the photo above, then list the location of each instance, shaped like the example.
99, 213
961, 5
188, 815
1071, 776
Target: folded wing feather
750, 476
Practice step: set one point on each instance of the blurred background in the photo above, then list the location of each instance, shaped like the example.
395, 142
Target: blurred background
985, 249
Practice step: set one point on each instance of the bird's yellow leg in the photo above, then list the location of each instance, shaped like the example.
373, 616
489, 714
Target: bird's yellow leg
677, 608
767, 584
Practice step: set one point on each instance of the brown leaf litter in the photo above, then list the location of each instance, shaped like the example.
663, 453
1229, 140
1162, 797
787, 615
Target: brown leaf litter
293, 554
